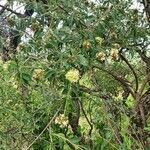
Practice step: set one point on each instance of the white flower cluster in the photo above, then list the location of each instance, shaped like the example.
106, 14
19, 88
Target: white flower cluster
37, 74
72, 75
62, 120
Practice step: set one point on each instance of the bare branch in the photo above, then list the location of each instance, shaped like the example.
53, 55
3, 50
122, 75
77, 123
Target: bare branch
132, 69
90, 124
144, 84
2, 10
143, 56
146, 4
12, 11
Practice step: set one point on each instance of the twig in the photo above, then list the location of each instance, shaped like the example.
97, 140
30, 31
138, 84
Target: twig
121, 80
12, 11
132, 69
143, 85
90, 124
2, 10
78, 19
143, 56
44, 129
61, 7
87, 90
146, 4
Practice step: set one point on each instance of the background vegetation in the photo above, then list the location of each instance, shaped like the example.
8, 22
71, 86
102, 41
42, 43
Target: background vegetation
74, 74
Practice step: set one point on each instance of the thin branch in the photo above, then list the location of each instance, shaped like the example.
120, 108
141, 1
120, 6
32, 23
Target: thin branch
146, 59
123, 82
90, 124
2, 10
146, 4
92, 91
144, 84
78, 19
61, 7
44, 129
88, 90
143, 56
132, 69
12, 11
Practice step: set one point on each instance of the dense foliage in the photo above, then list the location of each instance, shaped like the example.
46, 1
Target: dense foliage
74, 74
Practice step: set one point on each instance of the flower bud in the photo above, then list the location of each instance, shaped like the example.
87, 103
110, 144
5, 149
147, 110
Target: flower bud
98, 40
114, 54
100, 56
86, 44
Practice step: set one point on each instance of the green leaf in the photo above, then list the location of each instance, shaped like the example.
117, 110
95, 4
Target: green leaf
26, 78
83, 61
50, 74
75, 140
147, 129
